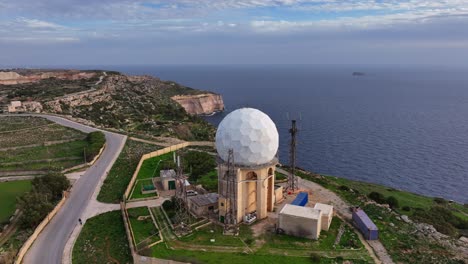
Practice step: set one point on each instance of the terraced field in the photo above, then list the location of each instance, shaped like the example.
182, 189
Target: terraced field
36, 144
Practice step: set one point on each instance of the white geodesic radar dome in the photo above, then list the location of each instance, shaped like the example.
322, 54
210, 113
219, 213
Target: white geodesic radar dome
251, 134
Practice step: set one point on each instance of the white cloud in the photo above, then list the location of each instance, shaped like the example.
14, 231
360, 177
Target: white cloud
38, 24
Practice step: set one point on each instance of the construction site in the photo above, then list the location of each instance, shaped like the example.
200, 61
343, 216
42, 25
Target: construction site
260, 209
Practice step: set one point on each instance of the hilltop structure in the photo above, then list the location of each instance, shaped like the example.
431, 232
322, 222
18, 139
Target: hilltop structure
246, 178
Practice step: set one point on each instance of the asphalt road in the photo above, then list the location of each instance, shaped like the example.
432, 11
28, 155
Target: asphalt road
49, 246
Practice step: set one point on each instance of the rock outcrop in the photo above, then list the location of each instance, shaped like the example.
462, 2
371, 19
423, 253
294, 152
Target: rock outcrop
200, 104
11, 77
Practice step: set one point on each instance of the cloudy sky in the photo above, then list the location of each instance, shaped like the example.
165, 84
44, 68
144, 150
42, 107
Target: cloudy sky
105, 32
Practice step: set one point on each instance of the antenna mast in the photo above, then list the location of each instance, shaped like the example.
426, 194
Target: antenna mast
182, 214
293, 181
230, 218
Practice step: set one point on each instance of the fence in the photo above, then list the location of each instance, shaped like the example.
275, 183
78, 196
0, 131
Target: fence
148, 156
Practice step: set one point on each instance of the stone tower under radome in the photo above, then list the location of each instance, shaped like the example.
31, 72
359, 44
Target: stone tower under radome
247, 142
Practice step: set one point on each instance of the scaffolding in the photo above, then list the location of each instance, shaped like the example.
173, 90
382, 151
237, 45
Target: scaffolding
230, 194
293, 181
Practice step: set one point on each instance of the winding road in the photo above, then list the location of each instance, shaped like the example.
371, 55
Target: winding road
49, 246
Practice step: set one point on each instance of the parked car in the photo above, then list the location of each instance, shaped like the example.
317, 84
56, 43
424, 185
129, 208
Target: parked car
191, 193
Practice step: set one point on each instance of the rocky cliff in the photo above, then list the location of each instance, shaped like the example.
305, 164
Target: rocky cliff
12, 77
134, 104
200, 104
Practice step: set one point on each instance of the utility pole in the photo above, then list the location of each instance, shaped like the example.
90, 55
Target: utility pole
293, 181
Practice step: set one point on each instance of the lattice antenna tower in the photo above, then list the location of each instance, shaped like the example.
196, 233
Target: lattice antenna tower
182, 213
230, 218
293, 181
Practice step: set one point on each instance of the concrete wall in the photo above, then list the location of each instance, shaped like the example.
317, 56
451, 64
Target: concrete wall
299, 226
326, 221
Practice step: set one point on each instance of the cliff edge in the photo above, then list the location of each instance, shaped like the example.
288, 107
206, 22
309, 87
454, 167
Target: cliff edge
200, 104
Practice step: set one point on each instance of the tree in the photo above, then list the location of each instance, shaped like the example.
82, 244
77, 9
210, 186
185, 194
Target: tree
34, 206
392, 202
198, 163
377, 197
52, 184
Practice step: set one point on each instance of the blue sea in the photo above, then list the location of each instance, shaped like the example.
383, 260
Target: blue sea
403, 127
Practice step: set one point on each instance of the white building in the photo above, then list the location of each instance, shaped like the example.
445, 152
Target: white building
300, 221
168, 179
327, 214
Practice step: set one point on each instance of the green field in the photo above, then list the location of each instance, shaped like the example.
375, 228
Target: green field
136, 194
102, 240
268, 248
119, 176
11, 123
144, 231
33, 158
38, 135
204, 235
152, 166
161, 251
23, 143
9, 191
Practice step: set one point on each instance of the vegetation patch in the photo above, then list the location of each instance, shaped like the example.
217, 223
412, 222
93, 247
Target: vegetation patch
38, 136
144, 230
280, 176
53, 157
96, 141
403, 242
212, 235
143, 185
209, 181
122, 171
15, 123
151, 167
37, 203
9, 193
102, 240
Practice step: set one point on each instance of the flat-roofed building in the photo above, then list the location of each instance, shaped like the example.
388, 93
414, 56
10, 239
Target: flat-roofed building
203, 205
300, 221
168, 179
327, 214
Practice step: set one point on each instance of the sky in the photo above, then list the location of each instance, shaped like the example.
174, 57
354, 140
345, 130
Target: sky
124, 32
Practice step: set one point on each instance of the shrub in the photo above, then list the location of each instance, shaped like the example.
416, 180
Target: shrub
442, 219
440, 200
406, 208
392, 202
35, 206
377, 197
315, 258
198, 163
249, 241
343, 188
52, 184
95, 142
169, 204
